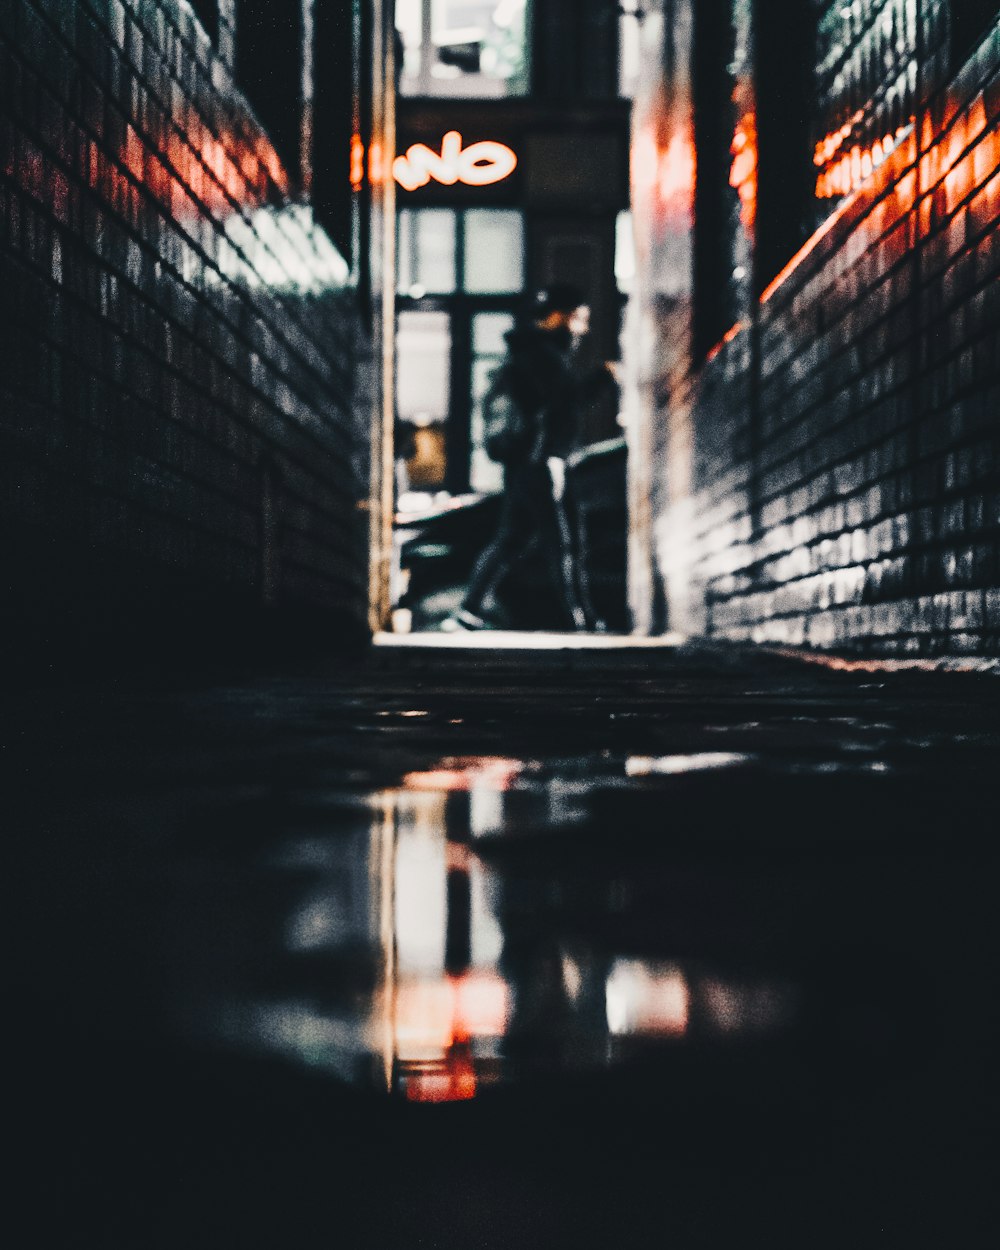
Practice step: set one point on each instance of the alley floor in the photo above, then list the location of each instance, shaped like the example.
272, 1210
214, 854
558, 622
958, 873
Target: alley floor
681, 945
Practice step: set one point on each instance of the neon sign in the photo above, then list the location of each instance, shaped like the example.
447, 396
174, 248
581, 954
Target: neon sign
475, 166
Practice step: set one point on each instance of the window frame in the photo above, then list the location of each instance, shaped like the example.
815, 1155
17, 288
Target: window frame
463, 306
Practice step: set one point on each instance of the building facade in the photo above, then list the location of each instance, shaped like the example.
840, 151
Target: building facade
188, 291
813, 391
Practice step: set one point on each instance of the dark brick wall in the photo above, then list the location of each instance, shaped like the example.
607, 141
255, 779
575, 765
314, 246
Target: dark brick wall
844, 442
179, 339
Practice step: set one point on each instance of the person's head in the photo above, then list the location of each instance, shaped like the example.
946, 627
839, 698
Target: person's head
561, 306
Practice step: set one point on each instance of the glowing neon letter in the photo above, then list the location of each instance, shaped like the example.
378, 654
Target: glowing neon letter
476, 166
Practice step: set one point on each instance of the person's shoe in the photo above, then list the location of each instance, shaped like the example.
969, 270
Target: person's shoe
463, 620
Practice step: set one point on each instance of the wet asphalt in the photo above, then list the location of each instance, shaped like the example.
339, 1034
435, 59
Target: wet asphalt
692, 948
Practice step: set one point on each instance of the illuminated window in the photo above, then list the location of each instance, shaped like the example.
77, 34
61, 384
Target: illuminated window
427, 262
488, 349
423, 367
490, 260
464, 48
631, 14
460, 277
624, 253
494, 252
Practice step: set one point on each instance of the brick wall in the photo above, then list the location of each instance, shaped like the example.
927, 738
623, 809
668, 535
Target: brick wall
180, 340
844, 482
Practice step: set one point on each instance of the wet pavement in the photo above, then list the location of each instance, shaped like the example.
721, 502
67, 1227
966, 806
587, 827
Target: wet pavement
691, 946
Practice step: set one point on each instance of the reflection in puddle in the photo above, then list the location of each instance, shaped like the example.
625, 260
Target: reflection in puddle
410, 942
647, 999
445, 1033
480, 772
676, 765
733, 1008
491, 983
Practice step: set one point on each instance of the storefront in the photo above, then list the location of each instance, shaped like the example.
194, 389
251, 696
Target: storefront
499, 192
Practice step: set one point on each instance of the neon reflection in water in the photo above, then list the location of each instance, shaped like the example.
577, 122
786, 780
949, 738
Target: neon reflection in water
460, 933
489, 984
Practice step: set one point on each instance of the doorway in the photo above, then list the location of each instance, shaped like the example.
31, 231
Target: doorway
468, 244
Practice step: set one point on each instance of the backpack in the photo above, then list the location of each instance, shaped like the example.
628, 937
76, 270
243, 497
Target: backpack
506, 426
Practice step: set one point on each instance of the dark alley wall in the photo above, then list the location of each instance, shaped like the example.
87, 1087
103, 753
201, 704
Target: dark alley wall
179, 435
828, 470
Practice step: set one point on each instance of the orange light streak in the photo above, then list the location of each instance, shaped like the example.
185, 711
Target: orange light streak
357, 163
743, 171
376, 164
733, 332
807, 247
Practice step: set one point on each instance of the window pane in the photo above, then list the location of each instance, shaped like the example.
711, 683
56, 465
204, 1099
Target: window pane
629, 46
423, 366
405, 274
494, 252
488, 348
464, 48
409, 20
426, 260
488, 334
624, 253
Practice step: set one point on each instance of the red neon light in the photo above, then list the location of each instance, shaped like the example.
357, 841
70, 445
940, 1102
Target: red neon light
376, 164
843, 170
357, 163
475, 166
743, 171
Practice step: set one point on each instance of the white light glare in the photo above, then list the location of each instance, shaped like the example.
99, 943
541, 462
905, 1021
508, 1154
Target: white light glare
673, 765
646, 998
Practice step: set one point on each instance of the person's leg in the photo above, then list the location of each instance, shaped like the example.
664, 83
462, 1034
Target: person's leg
577, 524
513, 534
557, 541
552, 527
489, 571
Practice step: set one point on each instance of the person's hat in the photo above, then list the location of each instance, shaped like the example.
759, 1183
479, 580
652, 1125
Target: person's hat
558, 297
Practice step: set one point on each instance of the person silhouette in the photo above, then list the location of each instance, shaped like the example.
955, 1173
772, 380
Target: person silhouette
530, 419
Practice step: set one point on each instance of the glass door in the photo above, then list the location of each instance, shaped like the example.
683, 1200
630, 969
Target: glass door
488, 347
423, 400
460, 276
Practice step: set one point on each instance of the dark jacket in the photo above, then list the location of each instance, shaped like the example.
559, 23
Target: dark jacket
541, 376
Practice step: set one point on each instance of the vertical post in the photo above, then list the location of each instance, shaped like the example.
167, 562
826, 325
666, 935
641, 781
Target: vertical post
383, 861
383, 209
307, 91
427, 53
917, 400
